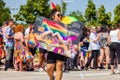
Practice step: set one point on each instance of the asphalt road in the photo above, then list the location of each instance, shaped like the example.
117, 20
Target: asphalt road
72, 75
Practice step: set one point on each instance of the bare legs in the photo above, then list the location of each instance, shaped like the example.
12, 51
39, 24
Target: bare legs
50, 70
105, 51
41, 59
59, 65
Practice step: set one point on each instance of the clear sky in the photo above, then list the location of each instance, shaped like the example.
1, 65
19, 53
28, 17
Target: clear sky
72, 5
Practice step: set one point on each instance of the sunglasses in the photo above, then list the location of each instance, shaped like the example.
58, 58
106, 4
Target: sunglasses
59, 15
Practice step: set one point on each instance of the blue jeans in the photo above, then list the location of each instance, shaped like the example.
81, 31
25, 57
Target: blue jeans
9, 57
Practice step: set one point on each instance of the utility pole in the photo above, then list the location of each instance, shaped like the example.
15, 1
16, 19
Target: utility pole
50, 3
61, 7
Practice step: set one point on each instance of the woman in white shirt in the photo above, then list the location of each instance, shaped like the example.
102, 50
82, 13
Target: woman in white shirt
114, 40
94, 47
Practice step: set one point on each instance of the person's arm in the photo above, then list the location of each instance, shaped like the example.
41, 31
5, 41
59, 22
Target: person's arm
62, 46
21, 36
119, 35
22, 39
42, 36
79, 45
46, 33
8, 32
109, 37
97, 38
59, 37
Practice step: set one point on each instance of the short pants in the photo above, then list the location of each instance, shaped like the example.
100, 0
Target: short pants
53, 57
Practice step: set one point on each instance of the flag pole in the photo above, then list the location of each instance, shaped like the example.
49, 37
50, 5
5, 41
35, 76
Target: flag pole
50, 3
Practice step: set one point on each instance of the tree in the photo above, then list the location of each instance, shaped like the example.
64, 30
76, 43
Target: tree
64, 5
77, 14
90, 13
4, 12
103, 17
33, 8
117, 14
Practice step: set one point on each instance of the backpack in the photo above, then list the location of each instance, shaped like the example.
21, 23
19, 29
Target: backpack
103, 41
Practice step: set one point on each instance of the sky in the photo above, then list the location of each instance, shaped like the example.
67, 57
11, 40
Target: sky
80, 5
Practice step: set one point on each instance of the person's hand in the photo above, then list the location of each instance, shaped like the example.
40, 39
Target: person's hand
56, 34
53, 45
51, 31
68, 54
47, 43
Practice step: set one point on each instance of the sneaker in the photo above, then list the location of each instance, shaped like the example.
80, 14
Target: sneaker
75, 68
30, 69
79, 68
98, 69
5, 69
118, 71
41, 69
101, 67
8, 69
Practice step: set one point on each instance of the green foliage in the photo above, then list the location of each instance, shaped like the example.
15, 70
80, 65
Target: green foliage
103, 17
64, 5
4, 12
117, 14
77, 14
33, 8
90, 14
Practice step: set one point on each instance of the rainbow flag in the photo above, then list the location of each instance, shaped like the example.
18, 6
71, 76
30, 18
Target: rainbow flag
61, 29
68, 19
85, 52
55, 27
49, 25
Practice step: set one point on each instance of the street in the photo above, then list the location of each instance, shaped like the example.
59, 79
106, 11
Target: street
72, 75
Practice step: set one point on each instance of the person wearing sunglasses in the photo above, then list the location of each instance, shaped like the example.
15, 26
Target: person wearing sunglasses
56, 15
53, 59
